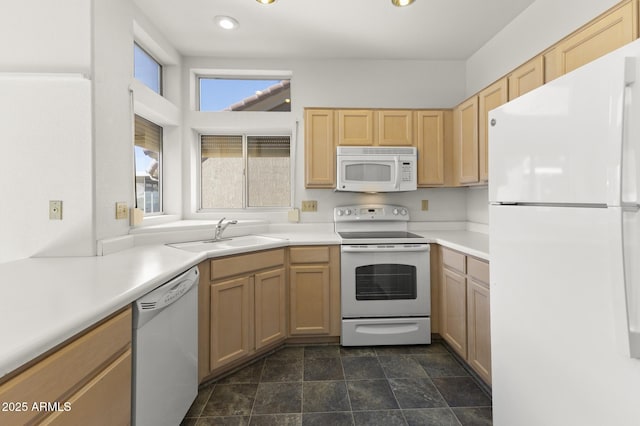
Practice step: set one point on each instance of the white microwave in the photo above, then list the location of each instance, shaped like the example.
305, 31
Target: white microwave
376, 169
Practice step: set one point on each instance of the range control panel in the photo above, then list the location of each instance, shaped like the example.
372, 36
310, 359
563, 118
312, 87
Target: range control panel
376, 212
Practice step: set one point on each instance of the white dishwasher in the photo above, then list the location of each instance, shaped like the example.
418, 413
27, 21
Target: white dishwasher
165, 352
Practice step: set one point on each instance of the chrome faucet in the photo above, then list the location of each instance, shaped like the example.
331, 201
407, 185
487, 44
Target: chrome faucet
220, 227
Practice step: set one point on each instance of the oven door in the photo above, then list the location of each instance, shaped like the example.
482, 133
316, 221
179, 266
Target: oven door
385, 280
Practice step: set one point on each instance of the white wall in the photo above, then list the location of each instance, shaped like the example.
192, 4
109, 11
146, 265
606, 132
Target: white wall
112, 75
46, 128
333, 83
539, 26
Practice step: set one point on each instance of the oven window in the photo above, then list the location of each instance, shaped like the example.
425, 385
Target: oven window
368, 172
386, 282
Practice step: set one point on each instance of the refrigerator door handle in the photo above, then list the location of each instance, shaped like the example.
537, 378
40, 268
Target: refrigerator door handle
630, 206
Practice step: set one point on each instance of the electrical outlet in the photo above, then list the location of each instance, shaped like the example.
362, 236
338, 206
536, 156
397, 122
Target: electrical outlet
310, 206
122, 210
55, 209
425, 205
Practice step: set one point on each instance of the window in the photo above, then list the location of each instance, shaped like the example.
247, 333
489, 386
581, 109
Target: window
146, 69
240, 171
244, 94
148, 161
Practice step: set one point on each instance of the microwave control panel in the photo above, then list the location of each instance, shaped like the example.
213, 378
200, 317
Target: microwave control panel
407, 171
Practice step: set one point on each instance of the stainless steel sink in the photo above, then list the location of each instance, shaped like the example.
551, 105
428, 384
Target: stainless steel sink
230, 245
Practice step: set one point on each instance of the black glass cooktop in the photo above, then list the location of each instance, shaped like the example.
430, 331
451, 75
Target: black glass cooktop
377, 235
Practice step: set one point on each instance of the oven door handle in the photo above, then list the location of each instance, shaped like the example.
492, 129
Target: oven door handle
385, 248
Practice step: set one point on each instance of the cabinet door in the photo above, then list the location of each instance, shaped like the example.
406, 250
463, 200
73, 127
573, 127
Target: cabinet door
395, 127
490, 98
231, 321
431, 148
479, 328
526, 77
320, 151
608, 32
310, 303
454, 311
355, 127
466, 141
270, 308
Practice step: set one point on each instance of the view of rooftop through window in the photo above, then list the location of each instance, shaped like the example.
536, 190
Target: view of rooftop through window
235, 94
146, 69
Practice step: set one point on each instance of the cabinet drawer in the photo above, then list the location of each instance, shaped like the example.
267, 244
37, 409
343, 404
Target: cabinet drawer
310, 254
244, 263
478, 270
454, 260
61, 373
105, 400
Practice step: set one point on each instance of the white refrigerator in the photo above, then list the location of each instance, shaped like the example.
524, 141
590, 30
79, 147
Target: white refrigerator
564, 183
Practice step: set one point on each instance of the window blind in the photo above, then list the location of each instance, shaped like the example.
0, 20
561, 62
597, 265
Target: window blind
268, 146
215, 146
147, 134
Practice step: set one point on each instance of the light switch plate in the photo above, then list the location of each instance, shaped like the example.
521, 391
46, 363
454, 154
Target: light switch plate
310, 206
425, 205
122, 210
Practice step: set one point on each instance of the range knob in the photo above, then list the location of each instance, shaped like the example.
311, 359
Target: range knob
348, 212
339, 212
403, 212
395, 212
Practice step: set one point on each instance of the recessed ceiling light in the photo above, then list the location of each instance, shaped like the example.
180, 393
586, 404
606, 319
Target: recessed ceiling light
226, 22
266, 1
401, 3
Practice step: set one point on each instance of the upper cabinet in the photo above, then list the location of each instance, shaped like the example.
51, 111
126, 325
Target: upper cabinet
428, 130
355, 127
490, 98
320, 148
526, 77
465, 134
606, 33
395, 128
434, 140
364, 127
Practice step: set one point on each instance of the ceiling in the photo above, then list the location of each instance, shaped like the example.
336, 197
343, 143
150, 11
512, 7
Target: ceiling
332, 29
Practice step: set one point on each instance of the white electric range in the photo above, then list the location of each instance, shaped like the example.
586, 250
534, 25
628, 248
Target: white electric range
385, 277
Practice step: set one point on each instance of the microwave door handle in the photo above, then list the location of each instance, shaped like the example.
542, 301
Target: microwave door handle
397, 182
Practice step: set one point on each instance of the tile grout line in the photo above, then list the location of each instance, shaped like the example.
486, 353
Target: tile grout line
346, 386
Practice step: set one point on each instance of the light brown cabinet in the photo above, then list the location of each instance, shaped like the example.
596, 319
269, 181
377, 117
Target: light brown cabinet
365, 127
314, 291
465, 309
478, 321
488, 99
395, 128
526, 77
454, 301
355, 127
465, 133
91, 372
434, 141
320, 148
609, 31
246, 309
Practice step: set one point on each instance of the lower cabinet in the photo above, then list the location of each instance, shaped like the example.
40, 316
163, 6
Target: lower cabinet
465, 309
314, 291
247, 305
87, 381
250, 303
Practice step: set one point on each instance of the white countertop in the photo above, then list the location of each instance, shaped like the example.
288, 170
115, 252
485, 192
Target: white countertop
45, 301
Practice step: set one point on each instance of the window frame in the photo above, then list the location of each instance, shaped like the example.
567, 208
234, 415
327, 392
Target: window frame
245, 160
160, 171
160, 69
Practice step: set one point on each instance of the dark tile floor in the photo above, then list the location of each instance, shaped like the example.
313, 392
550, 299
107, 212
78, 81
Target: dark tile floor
333, 385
